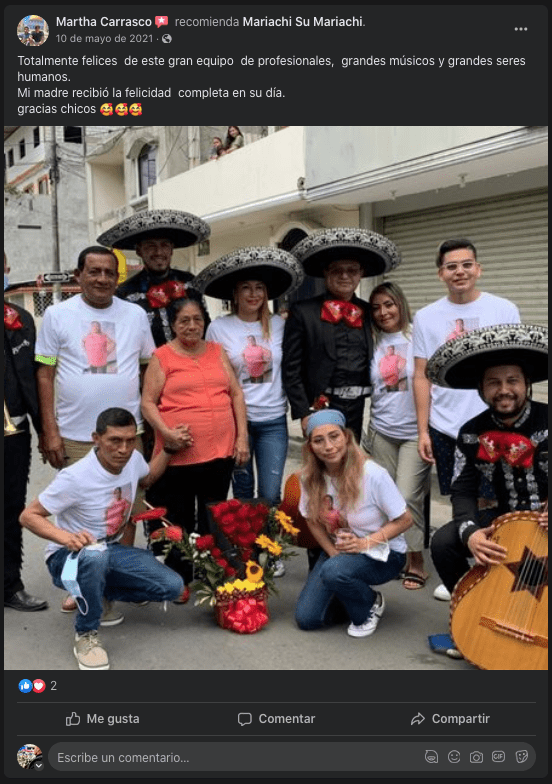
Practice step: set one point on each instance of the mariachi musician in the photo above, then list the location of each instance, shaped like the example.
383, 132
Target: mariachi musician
20, 403
507, 443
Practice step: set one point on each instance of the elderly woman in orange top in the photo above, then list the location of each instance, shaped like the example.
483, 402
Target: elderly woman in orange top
190, 383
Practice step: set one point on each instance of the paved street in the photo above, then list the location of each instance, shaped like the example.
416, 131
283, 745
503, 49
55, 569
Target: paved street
187, 638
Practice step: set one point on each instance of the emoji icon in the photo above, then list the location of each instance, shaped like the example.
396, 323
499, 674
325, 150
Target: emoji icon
121, 109
135, 109
25, 686
454, 756
39, 685
161, 20
106, 109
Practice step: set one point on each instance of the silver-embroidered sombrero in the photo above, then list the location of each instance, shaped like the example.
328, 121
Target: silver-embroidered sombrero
459, 363
182, 228
276, 268
376, 253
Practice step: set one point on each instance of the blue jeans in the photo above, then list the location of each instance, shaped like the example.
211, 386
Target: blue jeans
119, 573
348, 578
268, 443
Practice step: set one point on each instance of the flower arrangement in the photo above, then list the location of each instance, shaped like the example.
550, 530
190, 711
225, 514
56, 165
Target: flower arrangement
234, 568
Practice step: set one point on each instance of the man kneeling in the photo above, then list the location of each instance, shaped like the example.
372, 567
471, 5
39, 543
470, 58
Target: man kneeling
91, 501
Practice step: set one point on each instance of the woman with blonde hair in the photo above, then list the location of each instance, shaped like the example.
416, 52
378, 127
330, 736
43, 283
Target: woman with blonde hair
393, 433
252, 338
370, 550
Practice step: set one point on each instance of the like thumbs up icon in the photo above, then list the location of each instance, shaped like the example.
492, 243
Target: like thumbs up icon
73, 720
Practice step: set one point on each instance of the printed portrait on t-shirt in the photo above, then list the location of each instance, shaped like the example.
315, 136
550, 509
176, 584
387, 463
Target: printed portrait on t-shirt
331, 518
118, 508
99, 347
257, 362
460, 327
392, 367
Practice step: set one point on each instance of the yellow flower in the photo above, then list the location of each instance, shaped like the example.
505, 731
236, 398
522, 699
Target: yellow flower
268, 544
253, 571
286, 523
251, 586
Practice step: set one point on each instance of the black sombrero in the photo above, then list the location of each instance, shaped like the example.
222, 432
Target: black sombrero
182, 228
375, 253
460, 363
276, 268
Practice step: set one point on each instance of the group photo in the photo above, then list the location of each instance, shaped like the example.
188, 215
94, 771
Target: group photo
284, 409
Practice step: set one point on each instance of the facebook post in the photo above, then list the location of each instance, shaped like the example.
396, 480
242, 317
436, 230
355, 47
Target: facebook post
275, 396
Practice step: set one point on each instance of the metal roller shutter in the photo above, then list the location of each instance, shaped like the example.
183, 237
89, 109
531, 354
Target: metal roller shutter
510, 234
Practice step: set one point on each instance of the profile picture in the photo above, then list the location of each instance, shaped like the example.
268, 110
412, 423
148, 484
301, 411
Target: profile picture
30, 756
32, 30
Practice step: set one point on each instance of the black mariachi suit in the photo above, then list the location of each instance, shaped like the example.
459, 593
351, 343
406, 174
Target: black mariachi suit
21, 397
518, 486
310, 358
135, 289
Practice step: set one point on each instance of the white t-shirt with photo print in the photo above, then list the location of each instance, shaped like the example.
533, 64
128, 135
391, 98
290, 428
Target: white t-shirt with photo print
380, 501
97, 353
86, 497
257, 363
433, 326
392, 410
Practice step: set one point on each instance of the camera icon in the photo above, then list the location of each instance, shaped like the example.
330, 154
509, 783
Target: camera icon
476, 757
498, 756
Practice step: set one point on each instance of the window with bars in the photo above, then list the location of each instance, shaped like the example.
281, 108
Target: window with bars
147, 168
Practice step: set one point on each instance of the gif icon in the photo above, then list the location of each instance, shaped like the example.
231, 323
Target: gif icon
498, 756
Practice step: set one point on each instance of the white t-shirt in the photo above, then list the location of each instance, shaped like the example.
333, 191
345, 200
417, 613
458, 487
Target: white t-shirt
444, 320
379, 502
97, 353
392, 410
257, 363
86, 497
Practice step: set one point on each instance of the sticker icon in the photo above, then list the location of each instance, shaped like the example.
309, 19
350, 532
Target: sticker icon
25, 686
522, 756
39, 685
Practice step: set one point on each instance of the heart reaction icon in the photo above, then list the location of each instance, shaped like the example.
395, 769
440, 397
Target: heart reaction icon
39, 685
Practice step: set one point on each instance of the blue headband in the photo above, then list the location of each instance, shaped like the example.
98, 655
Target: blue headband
328, 416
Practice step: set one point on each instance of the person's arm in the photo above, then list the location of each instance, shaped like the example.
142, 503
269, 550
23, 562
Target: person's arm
51, 443
318, 530
241, 449
157, 467
34, 517
350, 543
293, 367
422, 400
154, 380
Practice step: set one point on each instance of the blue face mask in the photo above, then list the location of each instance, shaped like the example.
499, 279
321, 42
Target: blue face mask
6, 281
69, 579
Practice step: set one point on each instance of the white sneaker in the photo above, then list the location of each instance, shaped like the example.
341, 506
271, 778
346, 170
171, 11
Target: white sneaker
111, 616
442, 594
279, 568
371, 623
89, 652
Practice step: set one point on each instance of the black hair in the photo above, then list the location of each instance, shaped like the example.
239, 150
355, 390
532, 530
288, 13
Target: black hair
98, 249
456, 244
114, 417
178, 304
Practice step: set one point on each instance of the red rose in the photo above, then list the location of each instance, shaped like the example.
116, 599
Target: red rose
221, 562
257, 525
247, 554
205, 542
216, 553
243, 527
250, 538
173, 533
233, 504
158, 534
262, 509
230, 571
